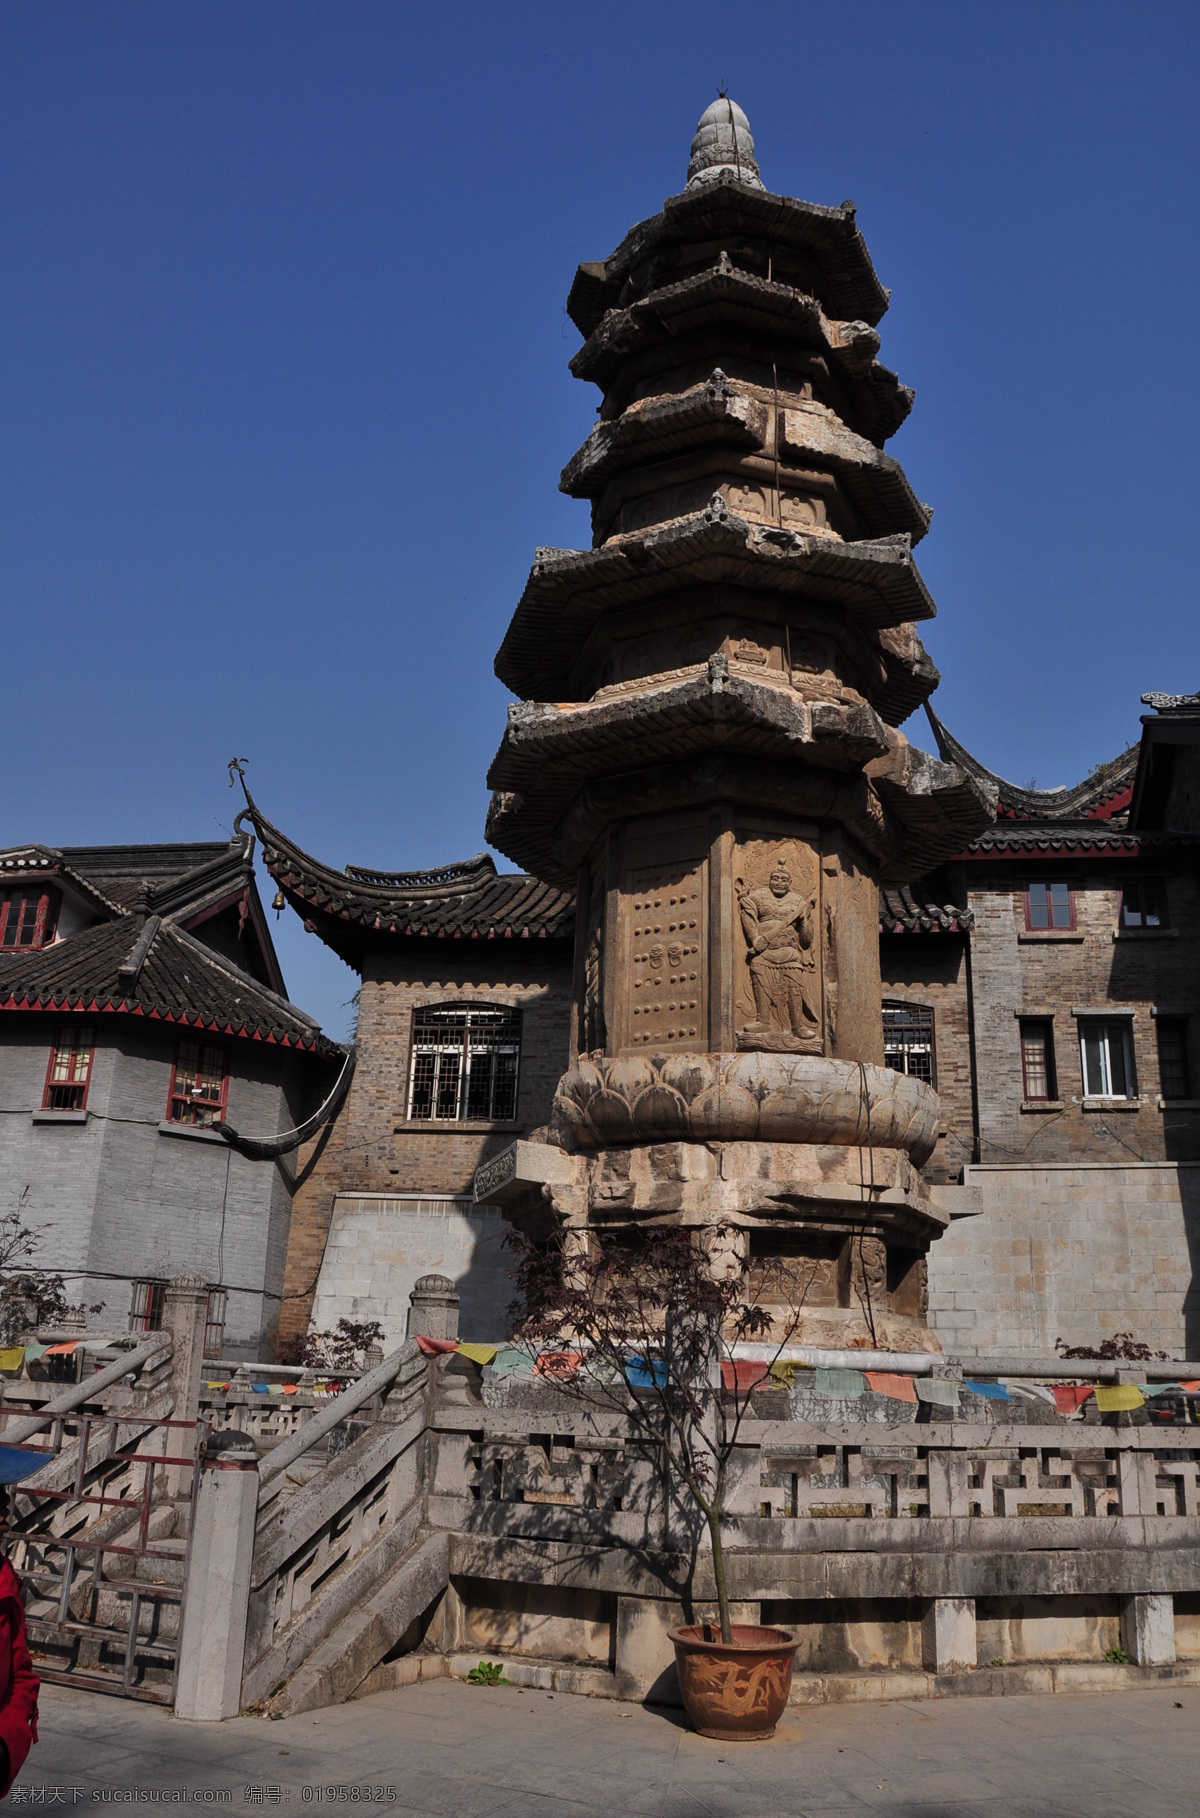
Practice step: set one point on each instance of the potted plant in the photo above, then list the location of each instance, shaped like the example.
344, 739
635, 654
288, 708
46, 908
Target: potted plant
650, 1325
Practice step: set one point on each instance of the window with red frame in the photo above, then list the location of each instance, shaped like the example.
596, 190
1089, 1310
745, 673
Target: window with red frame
28, 917
197, 1084
1049, 906
69, 1071
146, 1308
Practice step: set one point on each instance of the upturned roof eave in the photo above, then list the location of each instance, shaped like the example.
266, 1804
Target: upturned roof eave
831, 234
351, 917
1097, 798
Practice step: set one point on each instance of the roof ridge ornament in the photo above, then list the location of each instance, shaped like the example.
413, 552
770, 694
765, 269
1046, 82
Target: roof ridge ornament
723, 147
1172, 703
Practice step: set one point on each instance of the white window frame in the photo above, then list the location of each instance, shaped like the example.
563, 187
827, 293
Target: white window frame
911, 1040
456, 1043
1102, 1088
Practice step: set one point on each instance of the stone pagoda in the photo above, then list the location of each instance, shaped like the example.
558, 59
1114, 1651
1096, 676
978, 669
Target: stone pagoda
706, 749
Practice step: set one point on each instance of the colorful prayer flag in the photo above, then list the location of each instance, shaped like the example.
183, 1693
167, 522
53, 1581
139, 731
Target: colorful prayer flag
12, 1357
513, 1360
63, 1350
480, 1354
840, 1382
900, 1388
1037, 1390
991, 1391
942, 1391
1113, 1397
436, 1347
558, 1364
739, 1373
1070, 1396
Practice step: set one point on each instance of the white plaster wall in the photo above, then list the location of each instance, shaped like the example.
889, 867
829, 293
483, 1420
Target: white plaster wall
1072, 1251
379, 1244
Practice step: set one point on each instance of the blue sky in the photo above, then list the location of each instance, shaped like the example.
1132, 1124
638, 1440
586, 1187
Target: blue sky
285, 399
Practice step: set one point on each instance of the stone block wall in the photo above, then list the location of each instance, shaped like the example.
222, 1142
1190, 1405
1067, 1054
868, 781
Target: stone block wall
379, 1244
1074, 1251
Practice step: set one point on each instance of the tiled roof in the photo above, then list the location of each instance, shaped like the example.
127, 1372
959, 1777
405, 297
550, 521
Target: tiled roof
569, 591
139, 958
355, 908
1070, 837
174, 978
922, 908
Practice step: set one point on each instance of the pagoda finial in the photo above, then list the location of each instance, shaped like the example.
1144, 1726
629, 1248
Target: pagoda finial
723, 144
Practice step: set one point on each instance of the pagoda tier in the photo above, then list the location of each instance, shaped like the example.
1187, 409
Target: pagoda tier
706, 745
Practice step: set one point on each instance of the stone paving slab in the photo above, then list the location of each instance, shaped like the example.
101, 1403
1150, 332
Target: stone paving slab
456, 1751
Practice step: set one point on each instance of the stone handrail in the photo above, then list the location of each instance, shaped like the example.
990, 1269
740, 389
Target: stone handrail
326, 1548
562, 1473
81, 1392
363, 1391
926, 1363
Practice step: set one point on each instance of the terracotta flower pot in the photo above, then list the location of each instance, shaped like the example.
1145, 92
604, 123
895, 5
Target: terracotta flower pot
735, 1693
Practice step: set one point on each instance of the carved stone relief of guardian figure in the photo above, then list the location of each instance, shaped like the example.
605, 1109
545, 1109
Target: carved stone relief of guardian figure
781, 927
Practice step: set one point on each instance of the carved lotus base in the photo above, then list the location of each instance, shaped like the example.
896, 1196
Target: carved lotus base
745, 1097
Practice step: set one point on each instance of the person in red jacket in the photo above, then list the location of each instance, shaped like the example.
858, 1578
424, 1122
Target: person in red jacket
18, 1682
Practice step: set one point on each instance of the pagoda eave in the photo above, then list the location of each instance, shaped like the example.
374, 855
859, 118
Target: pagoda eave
717, 416
712, 708
875, 581
726, 208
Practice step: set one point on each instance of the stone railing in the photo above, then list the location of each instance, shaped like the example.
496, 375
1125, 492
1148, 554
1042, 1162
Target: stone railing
546, 1465
326, 1538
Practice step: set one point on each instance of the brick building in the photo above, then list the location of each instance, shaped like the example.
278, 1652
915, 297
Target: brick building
143, 1012
463, 1032
1047, 982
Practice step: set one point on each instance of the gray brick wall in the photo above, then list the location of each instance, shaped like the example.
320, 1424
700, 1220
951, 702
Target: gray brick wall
117, 1199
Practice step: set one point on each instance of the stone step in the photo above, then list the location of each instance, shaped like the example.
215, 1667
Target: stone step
334, 1669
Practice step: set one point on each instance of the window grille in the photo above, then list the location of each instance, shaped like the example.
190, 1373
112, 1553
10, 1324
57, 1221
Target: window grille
1144, 904
146, 1310
197, 1084
1174, 1075
69, 1071
28, 917
1049, 906
1107, 1060
464, 1065
214, 1322
908, 1040
1037, 1060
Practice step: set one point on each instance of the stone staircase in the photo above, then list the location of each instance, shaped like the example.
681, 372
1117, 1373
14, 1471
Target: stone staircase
345, 1563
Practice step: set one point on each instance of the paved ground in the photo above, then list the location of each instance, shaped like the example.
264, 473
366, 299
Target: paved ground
450, 1750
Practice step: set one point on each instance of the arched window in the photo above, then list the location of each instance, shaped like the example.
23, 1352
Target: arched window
908, 1040
465, 1061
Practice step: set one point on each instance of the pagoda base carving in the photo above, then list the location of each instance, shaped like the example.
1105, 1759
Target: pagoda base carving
785, 1098
856, 1251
